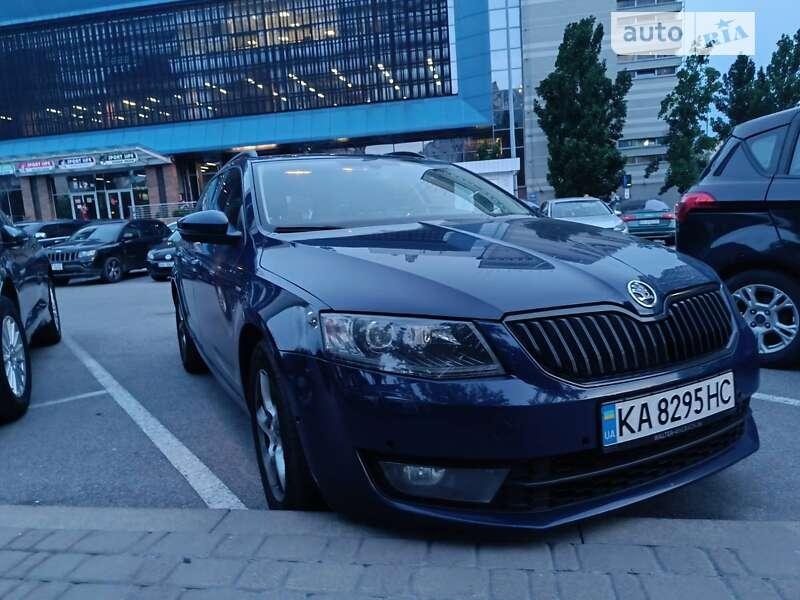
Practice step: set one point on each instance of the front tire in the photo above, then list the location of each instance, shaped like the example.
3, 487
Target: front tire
112, 270
50, 334
285, 476
15, 375
769, 302
190, 356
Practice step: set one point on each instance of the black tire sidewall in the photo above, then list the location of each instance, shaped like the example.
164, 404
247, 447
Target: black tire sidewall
789, 356
50, 333
191, 359
11, 406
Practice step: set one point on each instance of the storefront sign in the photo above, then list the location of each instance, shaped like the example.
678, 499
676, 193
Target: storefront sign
118, 158
6, 169
76, 162
35, 166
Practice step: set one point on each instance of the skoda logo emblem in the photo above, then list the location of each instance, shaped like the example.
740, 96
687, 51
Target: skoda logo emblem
643, 294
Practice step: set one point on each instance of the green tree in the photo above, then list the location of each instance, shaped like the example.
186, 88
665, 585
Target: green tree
744, 94
582, 112
686, 112
783, 72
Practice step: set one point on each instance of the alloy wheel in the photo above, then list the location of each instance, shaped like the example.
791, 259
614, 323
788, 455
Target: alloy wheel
14, 357
270, 442
113, 270
771, 314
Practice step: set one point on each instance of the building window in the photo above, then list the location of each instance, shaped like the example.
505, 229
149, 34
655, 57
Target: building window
220, 59
641, 143
11, 198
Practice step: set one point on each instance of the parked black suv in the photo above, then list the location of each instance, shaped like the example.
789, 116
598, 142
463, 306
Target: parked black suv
743, 219
106, 249
50, 233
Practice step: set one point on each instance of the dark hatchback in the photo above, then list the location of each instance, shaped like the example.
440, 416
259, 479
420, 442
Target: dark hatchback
743, 219
106, 249
161, 259
49, 233
410, 340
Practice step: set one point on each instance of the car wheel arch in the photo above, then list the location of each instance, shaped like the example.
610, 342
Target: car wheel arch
772, 266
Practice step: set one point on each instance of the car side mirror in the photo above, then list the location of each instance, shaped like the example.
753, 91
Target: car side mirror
208, 227
13, 236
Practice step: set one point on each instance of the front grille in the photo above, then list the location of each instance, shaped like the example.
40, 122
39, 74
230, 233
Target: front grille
546, 484
61, 256
612, 343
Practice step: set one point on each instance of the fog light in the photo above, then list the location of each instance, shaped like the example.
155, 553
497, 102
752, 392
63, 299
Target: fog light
444, 483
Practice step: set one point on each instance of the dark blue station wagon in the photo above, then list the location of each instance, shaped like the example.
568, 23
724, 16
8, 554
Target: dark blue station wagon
410, 340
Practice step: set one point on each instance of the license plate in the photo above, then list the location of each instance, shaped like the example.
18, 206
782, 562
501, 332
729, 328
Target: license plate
165, 265
629, 420
649, 222
57, 267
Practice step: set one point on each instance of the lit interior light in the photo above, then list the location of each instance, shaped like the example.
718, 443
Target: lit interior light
335, 71
260, 86
342, 78
303, 83
391, 81
349, 85
439, 83
380, 66
120, 118
321, 95
284, 13
436, 76
179, 97
142, 115
397, 87
331, 32
312, 90
274, 93
223, 91
151, 99
251, 81
208, 85
284, 99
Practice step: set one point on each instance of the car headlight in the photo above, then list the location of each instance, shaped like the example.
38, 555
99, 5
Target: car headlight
623, 227
168, 257
151, 255
87, 254
422, 347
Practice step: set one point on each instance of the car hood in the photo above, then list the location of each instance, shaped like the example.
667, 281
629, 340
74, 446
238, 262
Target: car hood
72, 246
161, 250
604, 221
476, 269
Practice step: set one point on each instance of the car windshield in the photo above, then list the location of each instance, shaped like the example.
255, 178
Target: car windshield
29, 227
342, 192
100, 233
580, 208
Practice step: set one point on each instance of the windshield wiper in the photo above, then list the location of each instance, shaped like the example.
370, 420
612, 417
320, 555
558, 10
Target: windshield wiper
304, 228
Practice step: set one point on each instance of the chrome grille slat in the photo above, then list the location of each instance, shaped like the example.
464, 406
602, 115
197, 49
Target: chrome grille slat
612, 343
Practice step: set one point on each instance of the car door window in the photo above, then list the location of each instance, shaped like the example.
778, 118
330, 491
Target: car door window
131, 232
794, 168
765, 147
208, 197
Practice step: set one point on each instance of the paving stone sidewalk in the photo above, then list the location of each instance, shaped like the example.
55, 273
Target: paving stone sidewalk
110, 554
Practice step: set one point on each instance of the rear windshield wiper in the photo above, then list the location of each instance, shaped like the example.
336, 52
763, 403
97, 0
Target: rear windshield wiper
304, 228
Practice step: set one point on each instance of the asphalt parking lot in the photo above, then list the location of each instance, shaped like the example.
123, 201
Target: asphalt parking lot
116, 422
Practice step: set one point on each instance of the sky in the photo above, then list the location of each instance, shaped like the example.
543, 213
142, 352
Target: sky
773, 18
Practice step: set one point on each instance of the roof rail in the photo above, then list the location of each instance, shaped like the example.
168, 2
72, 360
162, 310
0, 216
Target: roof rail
405, 154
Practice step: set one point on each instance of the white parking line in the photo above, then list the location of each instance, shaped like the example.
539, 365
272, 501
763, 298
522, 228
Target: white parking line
69, 399
778, 399
207, 485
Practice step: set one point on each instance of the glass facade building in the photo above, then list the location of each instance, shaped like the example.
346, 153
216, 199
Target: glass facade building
114, 108
221, 59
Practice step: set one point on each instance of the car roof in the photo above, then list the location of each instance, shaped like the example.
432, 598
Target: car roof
398, 156
54, 221
766, 123
575, 199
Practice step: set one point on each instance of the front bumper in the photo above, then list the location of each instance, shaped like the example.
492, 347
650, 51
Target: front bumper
350, 419
156, 268
75, 269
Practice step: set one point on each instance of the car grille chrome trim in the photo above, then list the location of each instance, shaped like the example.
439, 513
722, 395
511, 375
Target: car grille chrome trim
582, 345
62, 256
